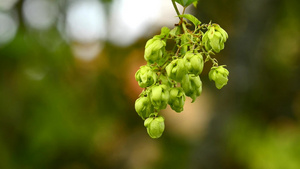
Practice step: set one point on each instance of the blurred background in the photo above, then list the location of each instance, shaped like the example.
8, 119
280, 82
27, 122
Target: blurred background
67, 87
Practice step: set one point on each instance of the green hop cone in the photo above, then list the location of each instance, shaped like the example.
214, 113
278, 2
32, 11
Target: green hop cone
145, 76
155, 126
176, 70
194, 63
159, 96
144, 107
177, 99
154, 51
214, 38
222, 31
219, 75
192, 86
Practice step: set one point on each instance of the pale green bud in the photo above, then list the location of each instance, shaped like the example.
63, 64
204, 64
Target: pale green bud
215, 38
176, 70
154, 51
177, 99
144, 107
219, 75
159, 96
194, 63
145, 76
216, 42
222, 31
192, 86
155, 126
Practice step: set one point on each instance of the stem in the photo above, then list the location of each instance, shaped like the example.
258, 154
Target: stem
165, 65
213, 60
175, 7
179, 47
183, 27
183, 10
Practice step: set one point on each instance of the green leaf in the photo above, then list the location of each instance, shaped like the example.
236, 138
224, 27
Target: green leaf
175, 31
193, 19
185, 3
195, 4
165, 31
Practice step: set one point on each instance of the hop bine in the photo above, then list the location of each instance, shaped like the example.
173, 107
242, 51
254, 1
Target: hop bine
175, 60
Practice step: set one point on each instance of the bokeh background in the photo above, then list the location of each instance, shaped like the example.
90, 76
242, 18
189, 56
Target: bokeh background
67, 87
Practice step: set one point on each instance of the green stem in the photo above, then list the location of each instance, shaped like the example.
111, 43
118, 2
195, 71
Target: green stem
213, 60
183, 10
184, 28
175, 7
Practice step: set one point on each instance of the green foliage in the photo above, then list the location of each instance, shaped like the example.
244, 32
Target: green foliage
186, 3
190, 17
277, 145
195, 4
171, 75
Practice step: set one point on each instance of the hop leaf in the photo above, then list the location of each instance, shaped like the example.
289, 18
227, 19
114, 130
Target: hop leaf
175, 31
155, 126
164, 31
219, 75
185, 3
184, 44
193, 19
